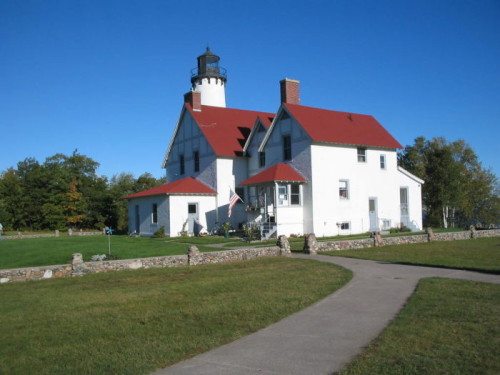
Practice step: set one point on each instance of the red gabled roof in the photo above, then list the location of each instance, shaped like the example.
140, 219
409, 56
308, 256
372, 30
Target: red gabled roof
342, 127
278, 172
188, 185
227, 129
266, 120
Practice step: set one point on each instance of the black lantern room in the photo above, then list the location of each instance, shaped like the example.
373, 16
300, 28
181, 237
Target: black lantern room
208, 67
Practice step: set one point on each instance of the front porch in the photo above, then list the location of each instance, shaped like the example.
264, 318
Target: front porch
275, 201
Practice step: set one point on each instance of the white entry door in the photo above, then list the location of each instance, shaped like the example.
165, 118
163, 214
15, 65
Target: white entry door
372, 213
193, 226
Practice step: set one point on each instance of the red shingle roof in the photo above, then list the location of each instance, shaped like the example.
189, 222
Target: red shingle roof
342, 127
226, 129
188, 185
278, 172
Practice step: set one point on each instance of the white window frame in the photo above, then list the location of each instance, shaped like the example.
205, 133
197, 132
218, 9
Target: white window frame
361, 151
285, 195
154, 213
344, 193
345, 225
383, 162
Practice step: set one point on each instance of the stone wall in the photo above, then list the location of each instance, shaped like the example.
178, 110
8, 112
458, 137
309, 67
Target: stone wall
194, 257
403, 240
80, 268
71, 233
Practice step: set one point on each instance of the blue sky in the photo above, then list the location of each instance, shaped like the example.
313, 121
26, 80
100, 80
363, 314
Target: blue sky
108, 77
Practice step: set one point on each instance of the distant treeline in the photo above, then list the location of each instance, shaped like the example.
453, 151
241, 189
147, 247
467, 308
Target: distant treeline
458, 191
65, 192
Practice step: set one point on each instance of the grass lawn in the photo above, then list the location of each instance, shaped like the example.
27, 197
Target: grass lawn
133, 322
447, 327
33, 252
482, 254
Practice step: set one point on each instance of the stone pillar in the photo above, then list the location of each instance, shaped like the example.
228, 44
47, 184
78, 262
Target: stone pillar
77, 259
57, 233
194, 256
430, 234
310, 244
284, 246
70, 232
473, 232
377, 239
77, 265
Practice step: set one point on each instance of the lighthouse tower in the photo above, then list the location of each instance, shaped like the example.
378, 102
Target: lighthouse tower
210, 80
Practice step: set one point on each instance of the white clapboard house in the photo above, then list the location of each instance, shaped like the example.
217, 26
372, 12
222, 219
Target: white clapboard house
299, 170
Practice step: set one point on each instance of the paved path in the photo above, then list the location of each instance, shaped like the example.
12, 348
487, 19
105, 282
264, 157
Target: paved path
324, 337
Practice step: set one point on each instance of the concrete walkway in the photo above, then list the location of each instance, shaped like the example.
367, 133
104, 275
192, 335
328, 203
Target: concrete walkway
324, 337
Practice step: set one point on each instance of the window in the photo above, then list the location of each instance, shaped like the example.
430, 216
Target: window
287, 148
154, 214
382, 161
262, 159
289, 194
283, 195
403, 200
241, 193
345, 225
196, 159
361, 155
295, 194
344, 189
192, 208
181, 164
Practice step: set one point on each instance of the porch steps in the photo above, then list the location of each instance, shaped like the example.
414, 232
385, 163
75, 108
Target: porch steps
267, 230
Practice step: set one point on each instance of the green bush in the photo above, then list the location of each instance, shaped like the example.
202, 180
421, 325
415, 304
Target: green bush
160, 233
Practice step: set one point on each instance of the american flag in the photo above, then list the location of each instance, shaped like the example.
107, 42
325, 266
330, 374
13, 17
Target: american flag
232, 201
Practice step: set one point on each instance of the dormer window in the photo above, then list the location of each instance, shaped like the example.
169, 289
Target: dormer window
361, 154
287, 148
196, 159
262, 159
181, 164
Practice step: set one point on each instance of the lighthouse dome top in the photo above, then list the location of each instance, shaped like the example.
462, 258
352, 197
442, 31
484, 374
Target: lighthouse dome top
209, 56
208, 67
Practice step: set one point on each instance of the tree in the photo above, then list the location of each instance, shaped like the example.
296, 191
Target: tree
122, 185
457, 189
66, 191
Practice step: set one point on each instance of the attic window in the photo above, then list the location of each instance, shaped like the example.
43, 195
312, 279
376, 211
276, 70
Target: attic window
196, 159
262, 159
181, 164
361, 154
287, 148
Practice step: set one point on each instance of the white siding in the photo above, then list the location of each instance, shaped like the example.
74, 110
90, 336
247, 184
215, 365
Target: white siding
172, 213
147, 227
188, 139
179, 206
365, 179
414, 199
230, 172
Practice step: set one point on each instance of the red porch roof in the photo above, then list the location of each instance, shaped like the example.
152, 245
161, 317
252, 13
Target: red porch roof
324, 125
227, 129
188, 186
278, 172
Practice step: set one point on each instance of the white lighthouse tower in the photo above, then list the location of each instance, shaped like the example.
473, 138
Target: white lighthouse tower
210, 80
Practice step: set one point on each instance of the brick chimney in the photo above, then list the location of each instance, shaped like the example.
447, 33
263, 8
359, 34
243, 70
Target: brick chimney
290, 91
193, 98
